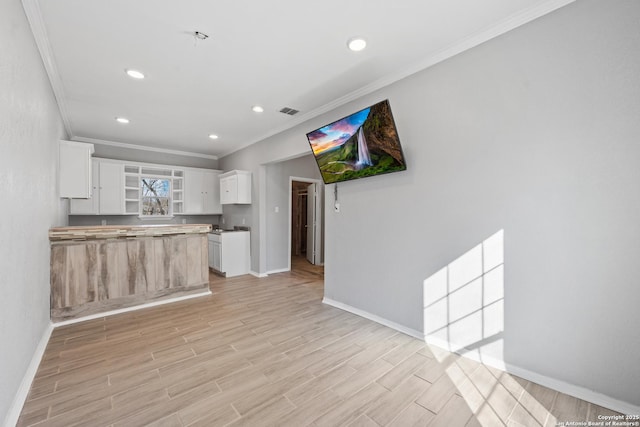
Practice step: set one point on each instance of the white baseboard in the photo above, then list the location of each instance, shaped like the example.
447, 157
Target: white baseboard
258, 275
279, 270
461, 351
23, 391
128, 309
393, 325
575, 391
543, 380
552, 383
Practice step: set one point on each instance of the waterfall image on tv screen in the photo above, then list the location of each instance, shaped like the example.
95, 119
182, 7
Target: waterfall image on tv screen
363, 144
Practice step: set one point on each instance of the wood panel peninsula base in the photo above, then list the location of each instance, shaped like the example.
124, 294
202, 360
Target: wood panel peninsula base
104, 268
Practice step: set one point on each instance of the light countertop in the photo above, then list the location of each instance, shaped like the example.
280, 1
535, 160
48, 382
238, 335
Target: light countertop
124, 231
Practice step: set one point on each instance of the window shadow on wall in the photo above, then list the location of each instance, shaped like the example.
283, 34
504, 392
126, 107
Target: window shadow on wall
464, 302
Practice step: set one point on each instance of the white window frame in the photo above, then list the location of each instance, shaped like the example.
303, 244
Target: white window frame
169, 198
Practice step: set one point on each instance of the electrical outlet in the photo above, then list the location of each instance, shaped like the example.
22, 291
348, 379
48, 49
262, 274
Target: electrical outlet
104, 222
184, 221
243, 221
336, 207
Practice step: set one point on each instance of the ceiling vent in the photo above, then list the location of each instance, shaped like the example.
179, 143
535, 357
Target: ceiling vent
289, 111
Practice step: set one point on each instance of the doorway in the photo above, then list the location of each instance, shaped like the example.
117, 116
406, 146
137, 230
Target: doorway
306, 222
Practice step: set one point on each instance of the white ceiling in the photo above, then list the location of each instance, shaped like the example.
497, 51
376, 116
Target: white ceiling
276, 53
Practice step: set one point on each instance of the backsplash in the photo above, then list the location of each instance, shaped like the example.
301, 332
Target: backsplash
134, 220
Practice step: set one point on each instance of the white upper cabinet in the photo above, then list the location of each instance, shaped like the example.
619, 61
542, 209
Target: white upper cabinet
75, 170
88, 206
107, 188
211, 181
116, 189
201, 192
235, 187
111, 200
193, 197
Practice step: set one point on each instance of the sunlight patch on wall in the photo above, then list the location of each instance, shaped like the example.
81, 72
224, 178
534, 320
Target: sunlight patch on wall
464, 302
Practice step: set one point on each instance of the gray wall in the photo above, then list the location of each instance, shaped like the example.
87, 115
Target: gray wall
30, 127
282, 147
278, 194
145, 156
534, 133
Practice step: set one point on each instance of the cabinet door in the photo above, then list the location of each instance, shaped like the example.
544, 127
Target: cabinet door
211, 263
217, 256
193, 189
88, 206
111, 200
74, 174
211, 193
243, 189
228, 190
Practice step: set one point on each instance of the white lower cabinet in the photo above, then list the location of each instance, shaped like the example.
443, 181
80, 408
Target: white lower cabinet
108, 191
229, 253
215, 255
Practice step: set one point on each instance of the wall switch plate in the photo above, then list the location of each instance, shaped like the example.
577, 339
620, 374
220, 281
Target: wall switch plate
276, 209
243, 221
223, 220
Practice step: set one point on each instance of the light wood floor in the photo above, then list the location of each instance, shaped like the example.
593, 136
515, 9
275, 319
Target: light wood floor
268, 352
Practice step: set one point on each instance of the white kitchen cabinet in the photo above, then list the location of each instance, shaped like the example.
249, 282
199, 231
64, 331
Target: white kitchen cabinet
75, 175
88, 206
111, 188
201, 192
229, 252
211, 181
215, 255
235, 187
108, 191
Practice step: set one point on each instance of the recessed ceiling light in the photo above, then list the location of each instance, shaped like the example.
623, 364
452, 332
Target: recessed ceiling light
356, 44
122, 120
257, 109
135, 74
213, 136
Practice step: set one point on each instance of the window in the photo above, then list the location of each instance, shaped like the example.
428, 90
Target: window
156, 196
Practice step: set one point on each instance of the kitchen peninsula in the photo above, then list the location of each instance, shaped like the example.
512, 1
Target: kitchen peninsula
103, 268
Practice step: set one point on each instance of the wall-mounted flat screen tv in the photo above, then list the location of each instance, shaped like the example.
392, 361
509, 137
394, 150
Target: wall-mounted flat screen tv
362, 144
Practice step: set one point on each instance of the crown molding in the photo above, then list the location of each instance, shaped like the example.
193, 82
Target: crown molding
34, 16
143, 148
514, 21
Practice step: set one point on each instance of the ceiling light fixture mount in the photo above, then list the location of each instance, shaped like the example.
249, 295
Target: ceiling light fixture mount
257, 109
200, 35
213, 136
122, 120
356, 44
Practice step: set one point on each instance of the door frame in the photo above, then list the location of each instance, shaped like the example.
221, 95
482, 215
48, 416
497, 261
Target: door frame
318, 220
